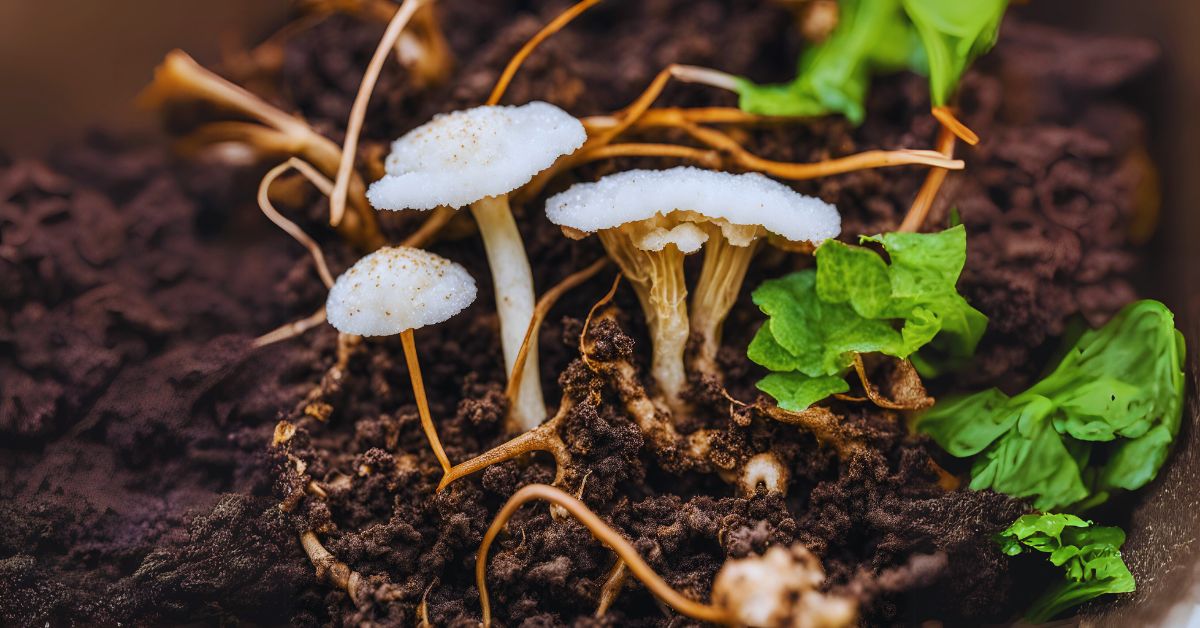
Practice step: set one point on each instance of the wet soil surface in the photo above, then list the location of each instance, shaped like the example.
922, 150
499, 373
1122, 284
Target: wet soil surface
137, 481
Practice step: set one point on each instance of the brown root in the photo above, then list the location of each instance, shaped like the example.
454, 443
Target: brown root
291, 228
179, 77
549, 29
358, 111
545, 437
946, 117
540, 311
613, 583
822, 424
333, 571
908, 391
603, 533
919, 210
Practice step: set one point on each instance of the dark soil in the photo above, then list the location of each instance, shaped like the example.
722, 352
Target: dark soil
138, 482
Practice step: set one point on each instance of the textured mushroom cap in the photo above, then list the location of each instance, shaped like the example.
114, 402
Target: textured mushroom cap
394, 289
740, 199
462, 156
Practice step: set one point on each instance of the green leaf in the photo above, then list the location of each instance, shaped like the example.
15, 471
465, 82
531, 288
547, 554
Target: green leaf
935, 37
856, 302
1090, 558
953, 33
796, 392
1102, 420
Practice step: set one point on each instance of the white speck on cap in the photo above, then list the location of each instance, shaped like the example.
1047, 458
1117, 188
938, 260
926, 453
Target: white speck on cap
398, 288
462, 156
741, 199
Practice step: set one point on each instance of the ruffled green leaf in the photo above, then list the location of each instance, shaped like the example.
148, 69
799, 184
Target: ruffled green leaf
1090, 558
1102, 420
856, 302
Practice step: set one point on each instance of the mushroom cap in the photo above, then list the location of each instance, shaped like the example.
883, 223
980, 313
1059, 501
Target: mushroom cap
395, 289
460, 157
737, 199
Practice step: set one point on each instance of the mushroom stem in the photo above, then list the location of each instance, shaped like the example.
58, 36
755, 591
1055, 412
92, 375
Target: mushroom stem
542, 438
513, 283
603, 533
657, 278
717, 289
418, 384
544, 304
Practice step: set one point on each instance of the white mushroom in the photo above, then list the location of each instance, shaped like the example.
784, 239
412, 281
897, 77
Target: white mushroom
638, 212
476, 157
394, 291
780, 589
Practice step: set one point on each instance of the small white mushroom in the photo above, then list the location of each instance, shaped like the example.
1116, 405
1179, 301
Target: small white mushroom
394, 291
637, 213
780, 589
476, 157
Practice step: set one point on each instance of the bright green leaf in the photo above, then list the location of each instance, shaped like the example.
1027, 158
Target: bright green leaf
1090, 558
1115, 398
856, 302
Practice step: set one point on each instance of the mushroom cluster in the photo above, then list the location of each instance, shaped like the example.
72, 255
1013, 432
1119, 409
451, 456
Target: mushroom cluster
649, 220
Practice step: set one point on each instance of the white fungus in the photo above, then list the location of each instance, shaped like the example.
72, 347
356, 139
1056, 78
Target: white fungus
780, 589
687, 237
462, 156
740, 199
396, 289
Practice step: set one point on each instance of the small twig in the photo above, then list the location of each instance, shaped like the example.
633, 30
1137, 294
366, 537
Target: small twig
549, 29
603, 533
290, 330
